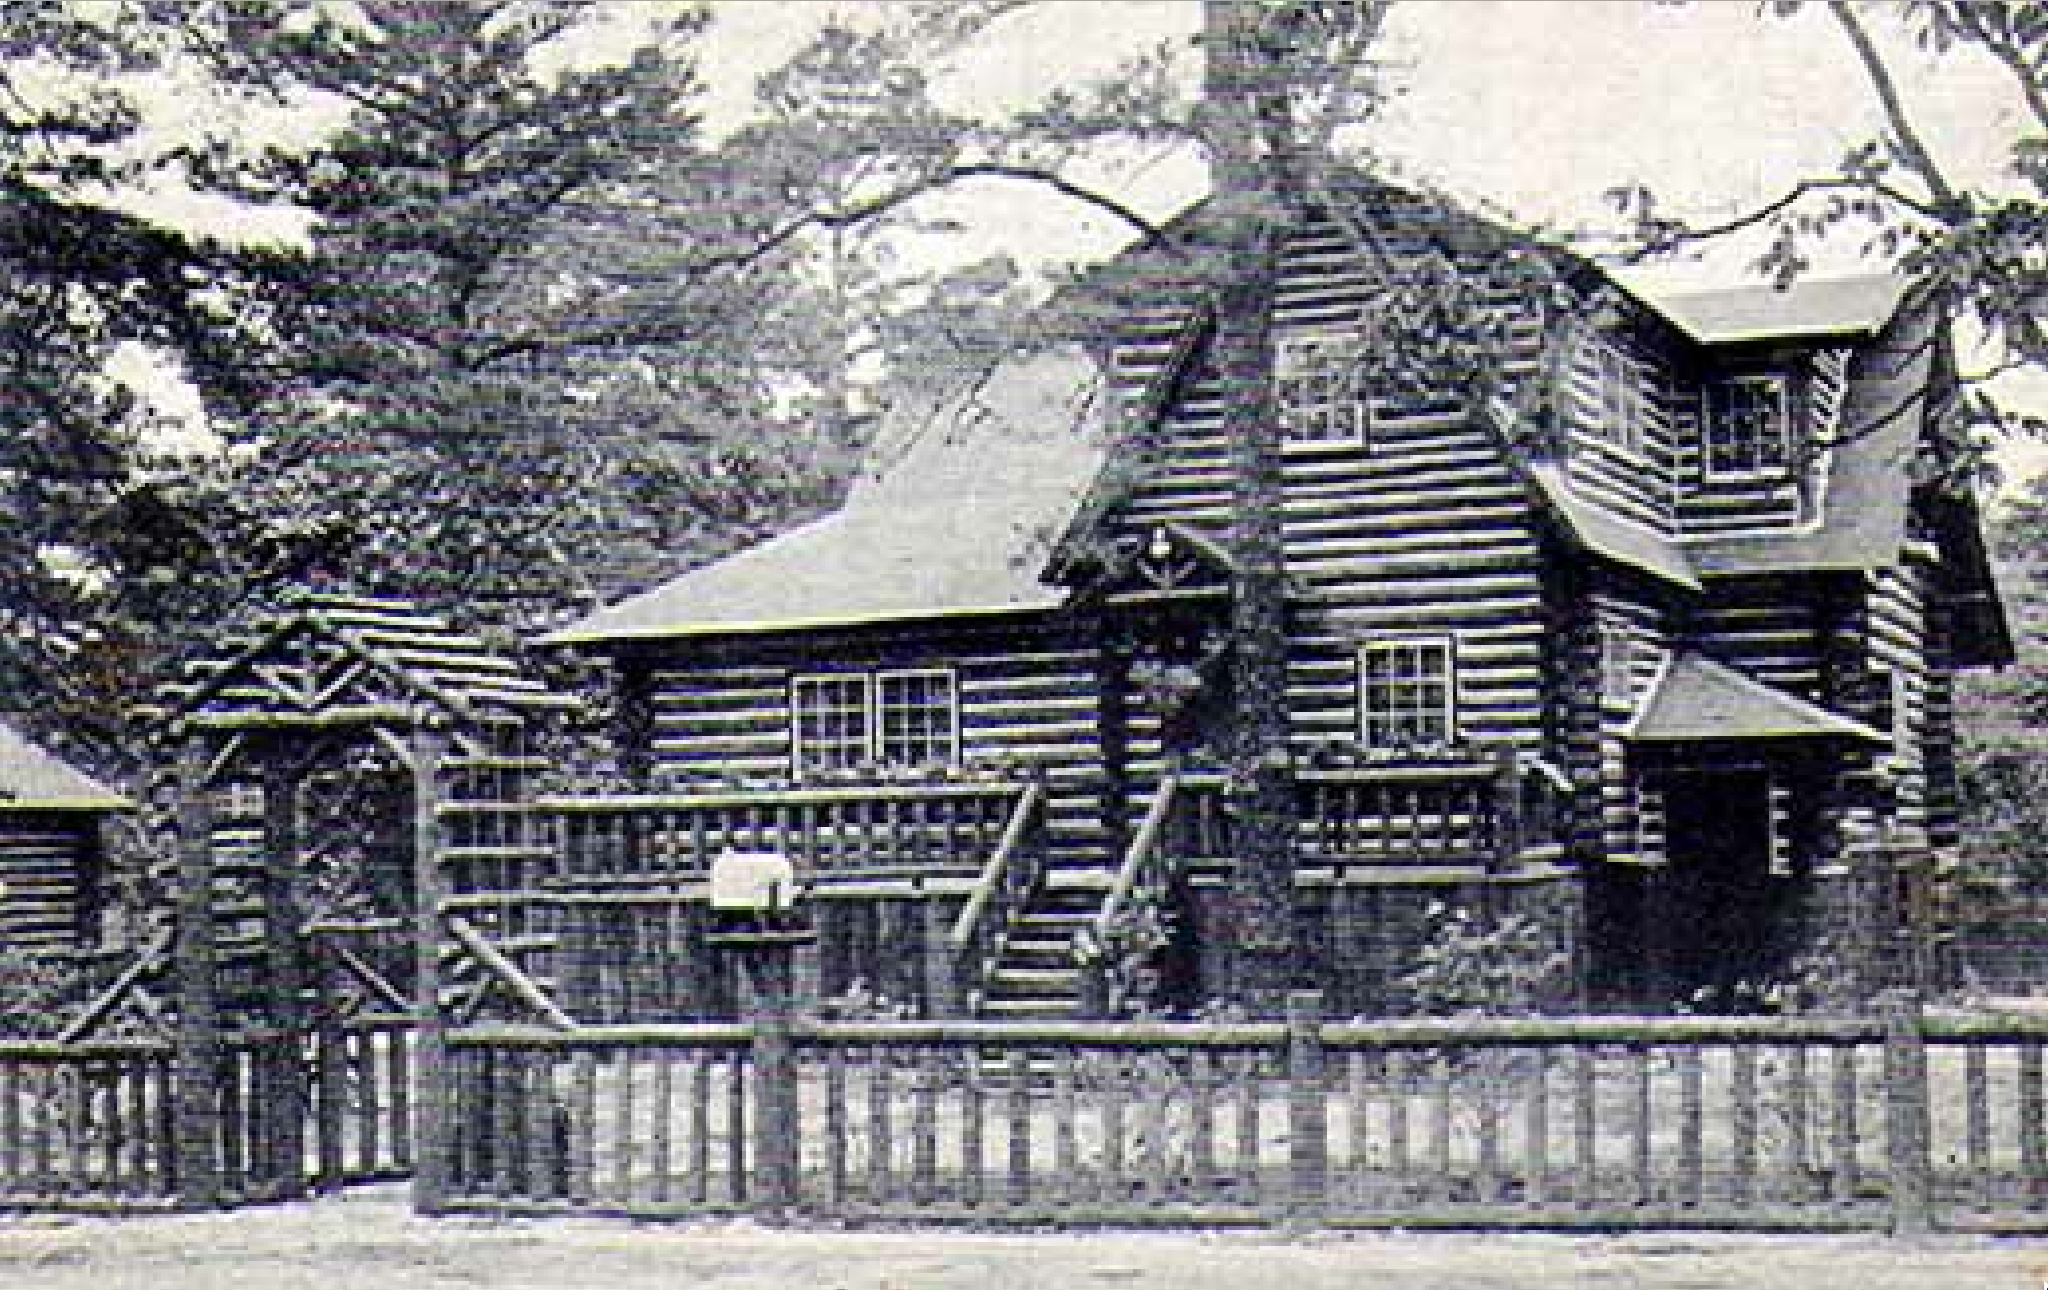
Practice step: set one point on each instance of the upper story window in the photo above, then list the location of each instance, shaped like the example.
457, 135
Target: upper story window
1749, 426
1317, 385
900, 718
1620, 414
1407, 692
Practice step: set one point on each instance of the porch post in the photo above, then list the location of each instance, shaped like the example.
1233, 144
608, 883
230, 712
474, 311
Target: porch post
197, 1048
434, 1132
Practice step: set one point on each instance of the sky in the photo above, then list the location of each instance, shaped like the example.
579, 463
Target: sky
1536, 107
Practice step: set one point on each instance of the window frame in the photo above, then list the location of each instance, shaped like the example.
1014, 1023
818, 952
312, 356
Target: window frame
1619, 396
1713, 423
870, 684
1446, 647
1288, 346
878, 713
800, 765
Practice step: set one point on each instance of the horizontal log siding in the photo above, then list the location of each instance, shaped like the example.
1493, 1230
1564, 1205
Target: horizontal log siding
1026, 695
45, 858
1629, 825
1898, 643
1423, 531
1767, 627
1635, 483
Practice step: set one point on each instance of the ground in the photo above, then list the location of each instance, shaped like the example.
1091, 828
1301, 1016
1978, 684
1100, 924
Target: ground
369, 1239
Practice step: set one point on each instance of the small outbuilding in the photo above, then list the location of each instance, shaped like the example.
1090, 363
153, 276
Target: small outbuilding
51, 846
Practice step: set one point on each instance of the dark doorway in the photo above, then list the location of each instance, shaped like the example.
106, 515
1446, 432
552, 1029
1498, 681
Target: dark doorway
1711, 914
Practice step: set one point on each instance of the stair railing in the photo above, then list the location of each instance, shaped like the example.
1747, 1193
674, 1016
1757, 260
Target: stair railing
1000, 894
1145, 863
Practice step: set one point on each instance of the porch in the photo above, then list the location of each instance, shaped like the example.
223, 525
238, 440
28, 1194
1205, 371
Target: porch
952, 897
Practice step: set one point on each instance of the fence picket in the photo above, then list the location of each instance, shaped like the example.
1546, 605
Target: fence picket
1019, 1188
1744, 1127
930, 1077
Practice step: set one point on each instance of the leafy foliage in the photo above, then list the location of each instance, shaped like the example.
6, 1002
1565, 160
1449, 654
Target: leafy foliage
1468, 966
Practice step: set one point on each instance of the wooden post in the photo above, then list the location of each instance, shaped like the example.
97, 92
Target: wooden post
434, 1133
776, 1144
1507, 811
943, 988
1907, 1128
1307, 1111
285, 943
197, 1040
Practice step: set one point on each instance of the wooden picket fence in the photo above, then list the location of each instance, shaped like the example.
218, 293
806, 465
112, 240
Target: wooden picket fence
1903, 1121
96, 1125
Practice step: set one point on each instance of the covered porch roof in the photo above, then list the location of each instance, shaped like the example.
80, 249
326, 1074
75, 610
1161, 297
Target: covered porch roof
1695, 698
34, 780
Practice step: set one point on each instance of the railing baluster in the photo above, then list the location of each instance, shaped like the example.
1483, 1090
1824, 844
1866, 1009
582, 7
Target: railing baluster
738, 1075
1066, 1155
1798, 1113
1843, 1124
1976, 1112
880, 1147
1400, 1062
1691, 1124
1019, 1162
700, 1126
1497, 1064
1585, 1139
924, 1125
2032, 1165
1442, 1110
1744, 1128
625, 1127
973, 1125
835, 1126
1112, 1181
1248, 1162
662, 1111
1536, 1127
1642, 1123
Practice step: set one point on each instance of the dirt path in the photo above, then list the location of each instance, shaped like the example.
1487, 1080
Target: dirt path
369, 1241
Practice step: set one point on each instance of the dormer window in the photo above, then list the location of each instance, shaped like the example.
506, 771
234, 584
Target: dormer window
1749, 427
1322, 399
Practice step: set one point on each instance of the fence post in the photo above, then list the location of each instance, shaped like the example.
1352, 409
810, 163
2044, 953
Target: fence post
776, 1144
196, 1107
1307, 1111
434, 1130
1907, 1130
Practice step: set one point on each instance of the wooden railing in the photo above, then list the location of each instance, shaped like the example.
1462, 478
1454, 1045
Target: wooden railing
1892, 1120
86, 1125
1004, 887
1147, 861
1475, 813
646, 840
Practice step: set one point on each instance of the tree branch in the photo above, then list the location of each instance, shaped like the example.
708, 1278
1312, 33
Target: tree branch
1672, 232
1912, 150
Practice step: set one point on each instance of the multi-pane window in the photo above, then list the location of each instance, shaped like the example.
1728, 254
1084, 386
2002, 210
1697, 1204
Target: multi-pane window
1621, 397
844, 719
915, 720
829, 721
1317, 384
1406, 692
1749, 426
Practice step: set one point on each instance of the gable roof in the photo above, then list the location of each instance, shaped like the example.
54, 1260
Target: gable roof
1804, 309
960, 523
1696, 698
324, 656
32, 779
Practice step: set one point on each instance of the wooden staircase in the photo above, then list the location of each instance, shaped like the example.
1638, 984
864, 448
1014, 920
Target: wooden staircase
1036, 975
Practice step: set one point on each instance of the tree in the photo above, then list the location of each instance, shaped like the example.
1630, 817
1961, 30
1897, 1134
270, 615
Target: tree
101, 551
1972, 255
487, 384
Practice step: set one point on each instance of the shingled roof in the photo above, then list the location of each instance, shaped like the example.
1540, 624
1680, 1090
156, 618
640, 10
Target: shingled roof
326, 657
960, 522
1696, 698
34, 780
1808, 308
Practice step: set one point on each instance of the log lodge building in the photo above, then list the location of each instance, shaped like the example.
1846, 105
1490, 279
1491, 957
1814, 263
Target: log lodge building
1654, 643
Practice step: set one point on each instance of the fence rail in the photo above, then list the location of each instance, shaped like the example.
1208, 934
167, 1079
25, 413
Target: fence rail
1901, 1121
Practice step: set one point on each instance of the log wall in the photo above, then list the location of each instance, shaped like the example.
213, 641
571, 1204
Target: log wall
49, 864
